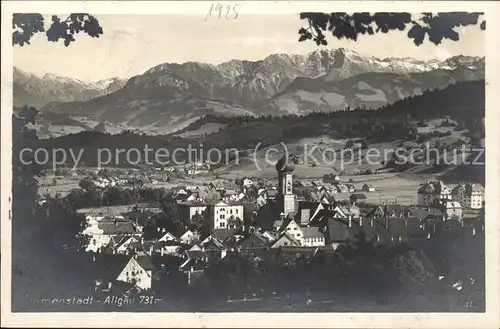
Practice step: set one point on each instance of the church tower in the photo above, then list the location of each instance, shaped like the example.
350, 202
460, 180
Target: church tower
286, 197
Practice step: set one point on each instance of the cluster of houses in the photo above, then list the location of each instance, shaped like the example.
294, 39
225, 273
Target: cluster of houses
197, 168
453, 201
282, 221
127, 181
103, 182
331, 184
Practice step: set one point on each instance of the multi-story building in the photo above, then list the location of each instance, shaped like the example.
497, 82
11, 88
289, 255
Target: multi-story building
469, 195
225, 215
431, 192
453, 209
187, 210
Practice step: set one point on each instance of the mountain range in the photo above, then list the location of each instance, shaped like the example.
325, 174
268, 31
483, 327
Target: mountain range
37, 91
170, 96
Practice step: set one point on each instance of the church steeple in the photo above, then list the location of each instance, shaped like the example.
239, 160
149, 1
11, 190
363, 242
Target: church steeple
285, 168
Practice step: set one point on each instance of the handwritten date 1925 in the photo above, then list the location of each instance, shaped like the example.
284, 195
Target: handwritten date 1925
225, 11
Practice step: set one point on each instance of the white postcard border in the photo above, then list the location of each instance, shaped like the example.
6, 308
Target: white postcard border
489, 319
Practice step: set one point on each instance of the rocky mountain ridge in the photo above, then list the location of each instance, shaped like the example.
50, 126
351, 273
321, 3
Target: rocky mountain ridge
169, 96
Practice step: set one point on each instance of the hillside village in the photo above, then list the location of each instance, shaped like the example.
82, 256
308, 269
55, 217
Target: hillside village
255, 217
373, 198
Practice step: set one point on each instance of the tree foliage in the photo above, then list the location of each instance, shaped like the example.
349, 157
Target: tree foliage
26, 25
437, 26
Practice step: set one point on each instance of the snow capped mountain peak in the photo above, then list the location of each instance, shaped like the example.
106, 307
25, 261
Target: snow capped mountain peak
49, 87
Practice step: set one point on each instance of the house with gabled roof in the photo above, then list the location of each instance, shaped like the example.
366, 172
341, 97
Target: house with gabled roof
367, 188
291, 227
167, 236
285, 240
189, 237
123, 246
139, 271
211, 243
431, 192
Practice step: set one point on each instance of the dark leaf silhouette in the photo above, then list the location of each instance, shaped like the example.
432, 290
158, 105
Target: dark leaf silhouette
437, 26
26, 25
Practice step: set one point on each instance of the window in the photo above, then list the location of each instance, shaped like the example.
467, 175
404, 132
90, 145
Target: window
236, 210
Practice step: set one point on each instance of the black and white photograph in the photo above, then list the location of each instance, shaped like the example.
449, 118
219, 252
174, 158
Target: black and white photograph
258, 158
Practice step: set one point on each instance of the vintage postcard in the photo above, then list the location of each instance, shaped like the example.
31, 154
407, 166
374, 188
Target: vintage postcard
250, 164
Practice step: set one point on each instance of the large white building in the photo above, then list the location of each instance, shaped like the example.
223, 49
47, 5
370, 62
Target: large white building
225, 215
431, 192
469, 195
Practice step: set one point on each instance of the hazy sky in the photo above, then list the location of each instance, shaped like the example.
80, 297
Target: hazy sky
133, 43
